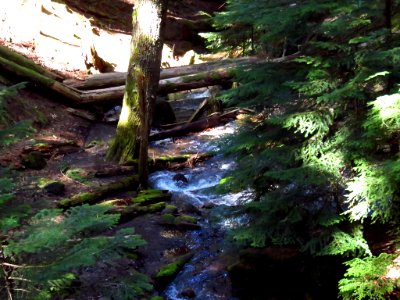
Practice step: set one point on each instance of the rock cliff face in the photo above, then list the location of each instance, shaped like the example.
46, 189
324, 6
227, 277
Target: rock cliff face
77, 37
185, 19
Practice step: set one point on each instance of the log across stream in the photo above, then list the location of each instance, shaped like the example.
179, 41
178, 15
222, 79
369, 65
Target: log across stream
205, 275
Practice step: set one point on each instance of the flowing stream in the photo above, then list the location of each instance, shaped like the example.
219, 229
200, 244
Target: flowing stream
204, 276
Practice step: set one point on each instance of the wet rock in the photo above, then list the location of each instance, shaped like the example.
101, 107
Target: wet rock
189, 208
55, 187
208, 205
34, 160
180, 178
187, 293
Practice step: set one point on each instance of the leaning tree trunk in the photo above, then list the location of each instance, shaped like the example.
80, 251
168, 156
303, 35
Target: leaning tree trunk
141, 85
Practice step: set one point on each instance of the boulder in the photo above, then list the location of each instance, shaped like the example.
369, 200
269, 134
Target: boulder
54, 187
180, 178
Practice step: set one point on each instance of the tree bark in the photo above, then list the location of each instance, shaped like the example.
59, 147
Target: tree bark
388, 14
141, 85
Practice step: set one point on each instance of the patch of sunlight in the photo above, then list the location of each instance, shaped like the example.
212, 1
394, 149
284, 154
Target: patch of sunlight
393, 271
388, 107
359, 211
147, 14
220, 131
124, 116
169, 234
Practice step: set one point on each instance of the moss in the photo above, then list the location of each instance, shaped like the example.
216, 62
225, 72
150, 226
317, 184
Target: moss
42, 182
185, 219
151, 196
153, 208
94, 143
168, 218
191, 78
170, 209
78, 174
157, 298
168, 270
171, 269
84, 197
40, 145
176, 158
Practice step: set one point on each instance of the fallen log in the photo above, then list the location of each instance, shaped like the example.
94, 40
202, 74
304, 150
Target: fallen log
118, 78
147, 201
166, 86
35, 77
215, 76
172, 162
21, 60
128, 183
197, 126
109, 171
199, 111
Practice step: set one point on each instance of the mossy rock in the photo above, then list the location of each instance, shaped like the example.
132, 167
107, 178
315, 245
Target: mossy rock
185, 219
146, 197
169, 271
152, 208
170, 209
168, 219
180, 221
51, 186
34, 160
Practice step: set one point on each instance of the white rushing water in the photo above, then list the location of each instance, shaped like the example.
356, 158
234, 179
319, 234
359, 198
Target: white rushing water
202, 274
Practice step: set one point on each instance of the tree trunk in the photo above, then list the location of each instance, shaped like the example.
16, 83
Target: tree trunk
388, 14
141, 85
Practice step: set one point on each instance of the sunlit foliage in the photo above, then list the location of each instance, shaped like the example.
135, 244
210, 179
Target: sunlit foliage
322, 154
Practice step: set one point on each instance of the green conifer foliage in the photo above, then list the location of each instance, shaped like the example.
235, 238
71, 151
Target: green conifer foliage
322, 155
54, 247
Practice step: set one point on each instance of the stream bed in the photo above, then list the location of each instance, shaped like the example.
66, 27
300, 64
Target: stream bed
205, 275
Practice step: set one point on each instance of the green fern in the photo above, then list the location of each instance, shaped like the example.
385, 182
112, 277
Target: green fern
366, 278
54, 245
347, 244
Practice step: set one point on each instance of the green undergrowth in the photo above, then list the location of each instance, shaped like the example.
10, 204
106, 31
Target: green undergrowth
79, 175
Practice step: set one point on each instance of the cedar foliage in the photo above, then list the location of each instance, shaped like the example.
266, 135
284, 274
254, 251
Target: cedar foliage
322, 154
